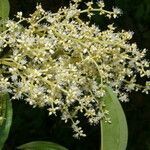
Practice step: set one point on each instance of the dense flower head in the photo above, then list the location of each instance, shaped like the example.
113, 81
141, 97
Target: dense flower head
61, 62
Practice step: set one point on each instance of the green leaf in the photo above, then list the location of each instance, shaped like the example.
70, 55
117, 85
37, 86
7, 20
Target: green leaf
4, 9
114, 135
6, 111
41, 145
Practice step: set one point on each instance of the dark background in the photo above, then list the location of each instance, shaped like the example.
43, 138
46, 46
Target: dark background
34, 124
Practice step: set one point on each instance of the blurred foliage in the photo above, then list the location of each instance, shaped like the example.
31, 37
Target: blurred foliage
35, 124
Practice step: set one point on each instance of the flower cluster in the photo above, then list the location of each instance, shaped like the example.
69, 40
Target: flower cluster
58, 61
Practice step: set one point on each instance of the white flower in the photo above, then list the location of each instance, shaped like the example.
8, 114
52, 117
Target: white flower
19, 14
14, 77
116, 12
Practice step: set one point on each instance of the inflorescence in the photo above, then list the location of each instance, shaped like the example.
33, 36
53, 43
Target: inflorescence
61, 62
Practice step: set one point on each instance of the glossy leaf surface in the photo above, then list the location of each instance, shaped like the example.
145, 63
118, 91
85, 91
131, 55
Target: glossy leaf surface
41, 145
6, 112
114, 135
4, 9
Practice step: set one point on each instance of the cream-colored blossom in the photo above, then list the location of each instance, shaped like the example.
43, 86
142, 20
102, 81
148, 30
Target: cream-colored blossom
64, 63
